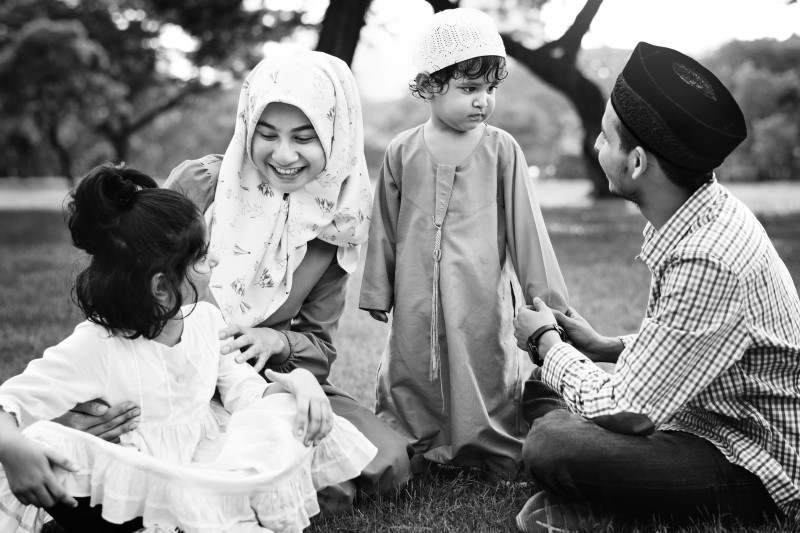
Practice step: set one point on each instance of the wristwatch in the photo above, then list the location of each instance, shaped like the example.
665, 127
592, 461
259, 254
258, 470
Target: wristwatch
533, 341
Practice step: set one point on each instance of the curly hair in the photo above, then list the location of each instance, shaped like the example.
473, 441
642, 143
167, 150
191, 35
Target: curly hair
486, 67
132, 230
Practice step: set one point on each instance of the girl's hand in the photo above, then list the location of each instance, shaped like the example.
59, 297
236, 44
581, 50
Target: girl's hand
259, 343
314, 415
29, 469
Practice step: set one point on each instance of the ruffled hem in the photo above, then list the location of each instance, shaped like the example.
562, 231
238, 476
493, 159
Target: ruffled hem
263, 478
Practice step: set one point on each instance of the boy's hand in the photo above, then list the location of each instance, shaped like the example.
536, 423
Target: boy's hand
29, 469
314, 415
380, 316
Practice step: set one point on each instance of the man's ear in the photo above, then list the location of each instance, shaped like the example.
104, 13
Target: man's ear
158, 286
637, 161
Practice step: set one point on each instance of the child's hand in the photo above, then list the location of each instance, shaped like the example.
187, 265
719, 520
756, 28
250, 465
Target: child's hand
314, 415
380, 316
29, 469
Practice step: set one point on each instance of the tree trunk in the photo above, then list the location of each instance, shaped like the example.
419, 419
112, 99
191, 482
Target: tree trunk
585, 96
341, 28
64, 158
556, 64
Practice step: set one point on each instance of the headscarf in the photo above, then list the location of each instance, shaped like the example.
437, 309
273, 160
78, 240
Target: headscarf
261, 235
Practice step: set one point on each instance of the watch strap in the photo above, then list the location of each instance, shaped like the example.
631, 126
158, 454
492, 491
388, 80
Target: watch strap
533, 341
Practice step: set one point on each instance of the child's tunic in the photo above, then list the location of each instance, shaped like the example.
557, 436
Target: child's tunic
186, 463
493, 227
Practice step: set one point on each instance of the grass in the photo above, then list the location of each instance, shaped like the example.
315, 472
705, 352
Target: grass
596, 248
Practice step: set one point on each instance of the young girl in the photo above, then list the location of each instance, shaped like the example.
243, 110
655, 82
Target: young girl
150, 338
455, 229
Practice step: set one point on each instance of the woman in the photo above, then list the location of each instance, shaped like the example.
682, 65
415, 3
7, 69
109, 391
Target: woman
287, 207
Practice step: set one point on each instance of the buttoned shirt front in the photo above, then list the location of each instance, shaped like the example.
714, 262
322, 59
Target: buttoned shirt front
718, 352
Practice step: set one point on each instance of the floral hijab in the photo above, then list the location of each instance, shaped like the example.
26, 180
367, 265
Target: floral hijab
261, 235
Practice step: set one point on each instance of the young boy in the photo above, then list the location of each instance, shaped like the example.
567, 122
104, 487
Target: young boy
456, 229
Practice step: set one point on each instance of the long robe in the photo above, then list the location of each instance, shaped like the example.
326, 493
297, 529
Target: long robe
496, 256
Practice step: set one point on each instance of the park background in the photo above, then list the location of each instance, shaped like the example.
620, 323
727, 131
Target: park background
155, 82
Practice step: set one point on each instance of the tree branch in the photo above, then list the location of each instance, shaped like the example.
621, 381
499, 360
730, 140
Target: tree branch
571, 40
192, 88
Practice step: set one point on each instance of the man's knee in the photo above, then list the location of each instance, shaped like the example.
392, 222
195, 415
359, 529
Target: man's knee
552, 447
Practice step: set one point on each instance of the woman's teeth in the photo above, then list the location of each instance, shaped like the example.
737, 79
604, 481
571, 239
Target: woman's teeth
286, 171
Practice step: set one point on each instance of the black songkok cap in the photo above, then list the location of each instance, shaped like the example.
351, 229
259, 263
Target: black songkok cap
677, 108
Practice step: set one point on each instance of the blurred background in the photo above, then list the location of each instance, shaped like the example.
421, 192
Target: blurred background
155, 82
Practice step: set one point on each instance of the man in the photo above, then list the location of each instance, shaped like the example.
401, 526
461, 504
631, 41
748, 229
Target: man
702, 415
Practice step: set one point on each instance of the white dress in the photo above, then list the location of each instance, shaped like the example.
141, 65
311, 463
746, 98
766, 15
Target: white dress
188, 463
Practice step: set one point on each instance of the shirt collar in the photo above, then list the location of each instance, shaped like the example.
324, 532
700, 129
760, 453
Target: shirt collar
658, 243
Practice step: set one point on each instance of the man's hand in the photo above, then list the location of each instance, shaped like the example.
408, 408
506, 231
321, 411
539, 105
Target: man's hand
314, 414
259, 343
596, 347
529, 319
97, 418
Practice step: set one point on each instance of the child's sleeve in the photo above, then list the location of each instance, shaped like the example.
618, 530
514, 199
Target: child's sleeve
73, 371
526, 235
377, 285
238, 383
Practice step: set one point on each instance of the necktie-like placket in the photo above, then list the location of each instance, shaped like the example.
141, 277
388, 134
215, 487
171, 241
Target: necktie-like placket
445, 177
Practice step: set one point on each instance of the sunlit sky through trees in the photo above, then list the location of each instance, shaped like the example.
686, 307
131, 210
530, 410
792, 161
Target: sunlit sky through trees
382, 63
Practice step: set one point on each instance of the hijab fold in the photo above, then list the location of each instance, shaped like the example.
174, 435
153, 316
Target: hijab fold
260, 234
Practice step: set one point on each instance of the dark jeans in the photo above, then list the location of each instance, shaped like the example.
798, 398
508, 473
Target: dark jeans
85, 519
672, 475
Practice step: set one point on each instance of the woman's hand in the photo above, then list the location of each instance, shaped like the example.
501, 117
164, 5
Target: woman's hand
259, 343
97, 418
314, 415
29, 469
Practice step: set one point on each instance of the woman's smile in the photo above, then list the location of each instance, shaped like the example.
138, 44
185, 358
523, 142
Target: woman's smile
281, 171
286, 150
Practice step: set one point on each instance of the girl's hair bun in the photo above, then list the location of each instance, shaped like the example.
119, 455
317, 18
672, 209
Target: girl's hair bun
100, 200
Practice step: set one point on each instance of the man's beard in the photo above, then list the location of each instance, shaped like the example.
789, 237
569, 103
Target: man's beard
630, 196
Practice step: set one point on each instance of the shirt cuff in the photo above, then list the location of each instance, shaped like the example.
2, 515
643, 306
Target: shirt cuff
560, 357
288, 364
627, 340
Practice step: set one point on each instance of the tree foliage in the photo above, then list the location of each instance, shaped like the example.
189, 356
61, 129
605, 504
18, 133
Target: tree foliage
80, 70
82, 81
764, 77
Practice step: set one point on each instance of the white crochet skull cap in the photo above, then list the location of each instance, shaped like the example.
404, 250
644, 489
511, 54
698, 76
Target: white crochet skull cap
455, 35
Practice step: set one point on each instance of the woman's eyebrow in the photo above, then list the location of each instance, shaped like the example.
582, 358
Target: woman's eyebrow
304, 127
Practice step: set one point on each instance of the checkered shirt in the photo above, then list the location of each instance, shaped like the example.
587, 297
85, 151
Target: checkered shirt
718, 352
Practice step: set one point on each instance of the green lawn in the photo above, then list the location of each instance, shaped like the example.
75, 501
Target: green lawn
596, 247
